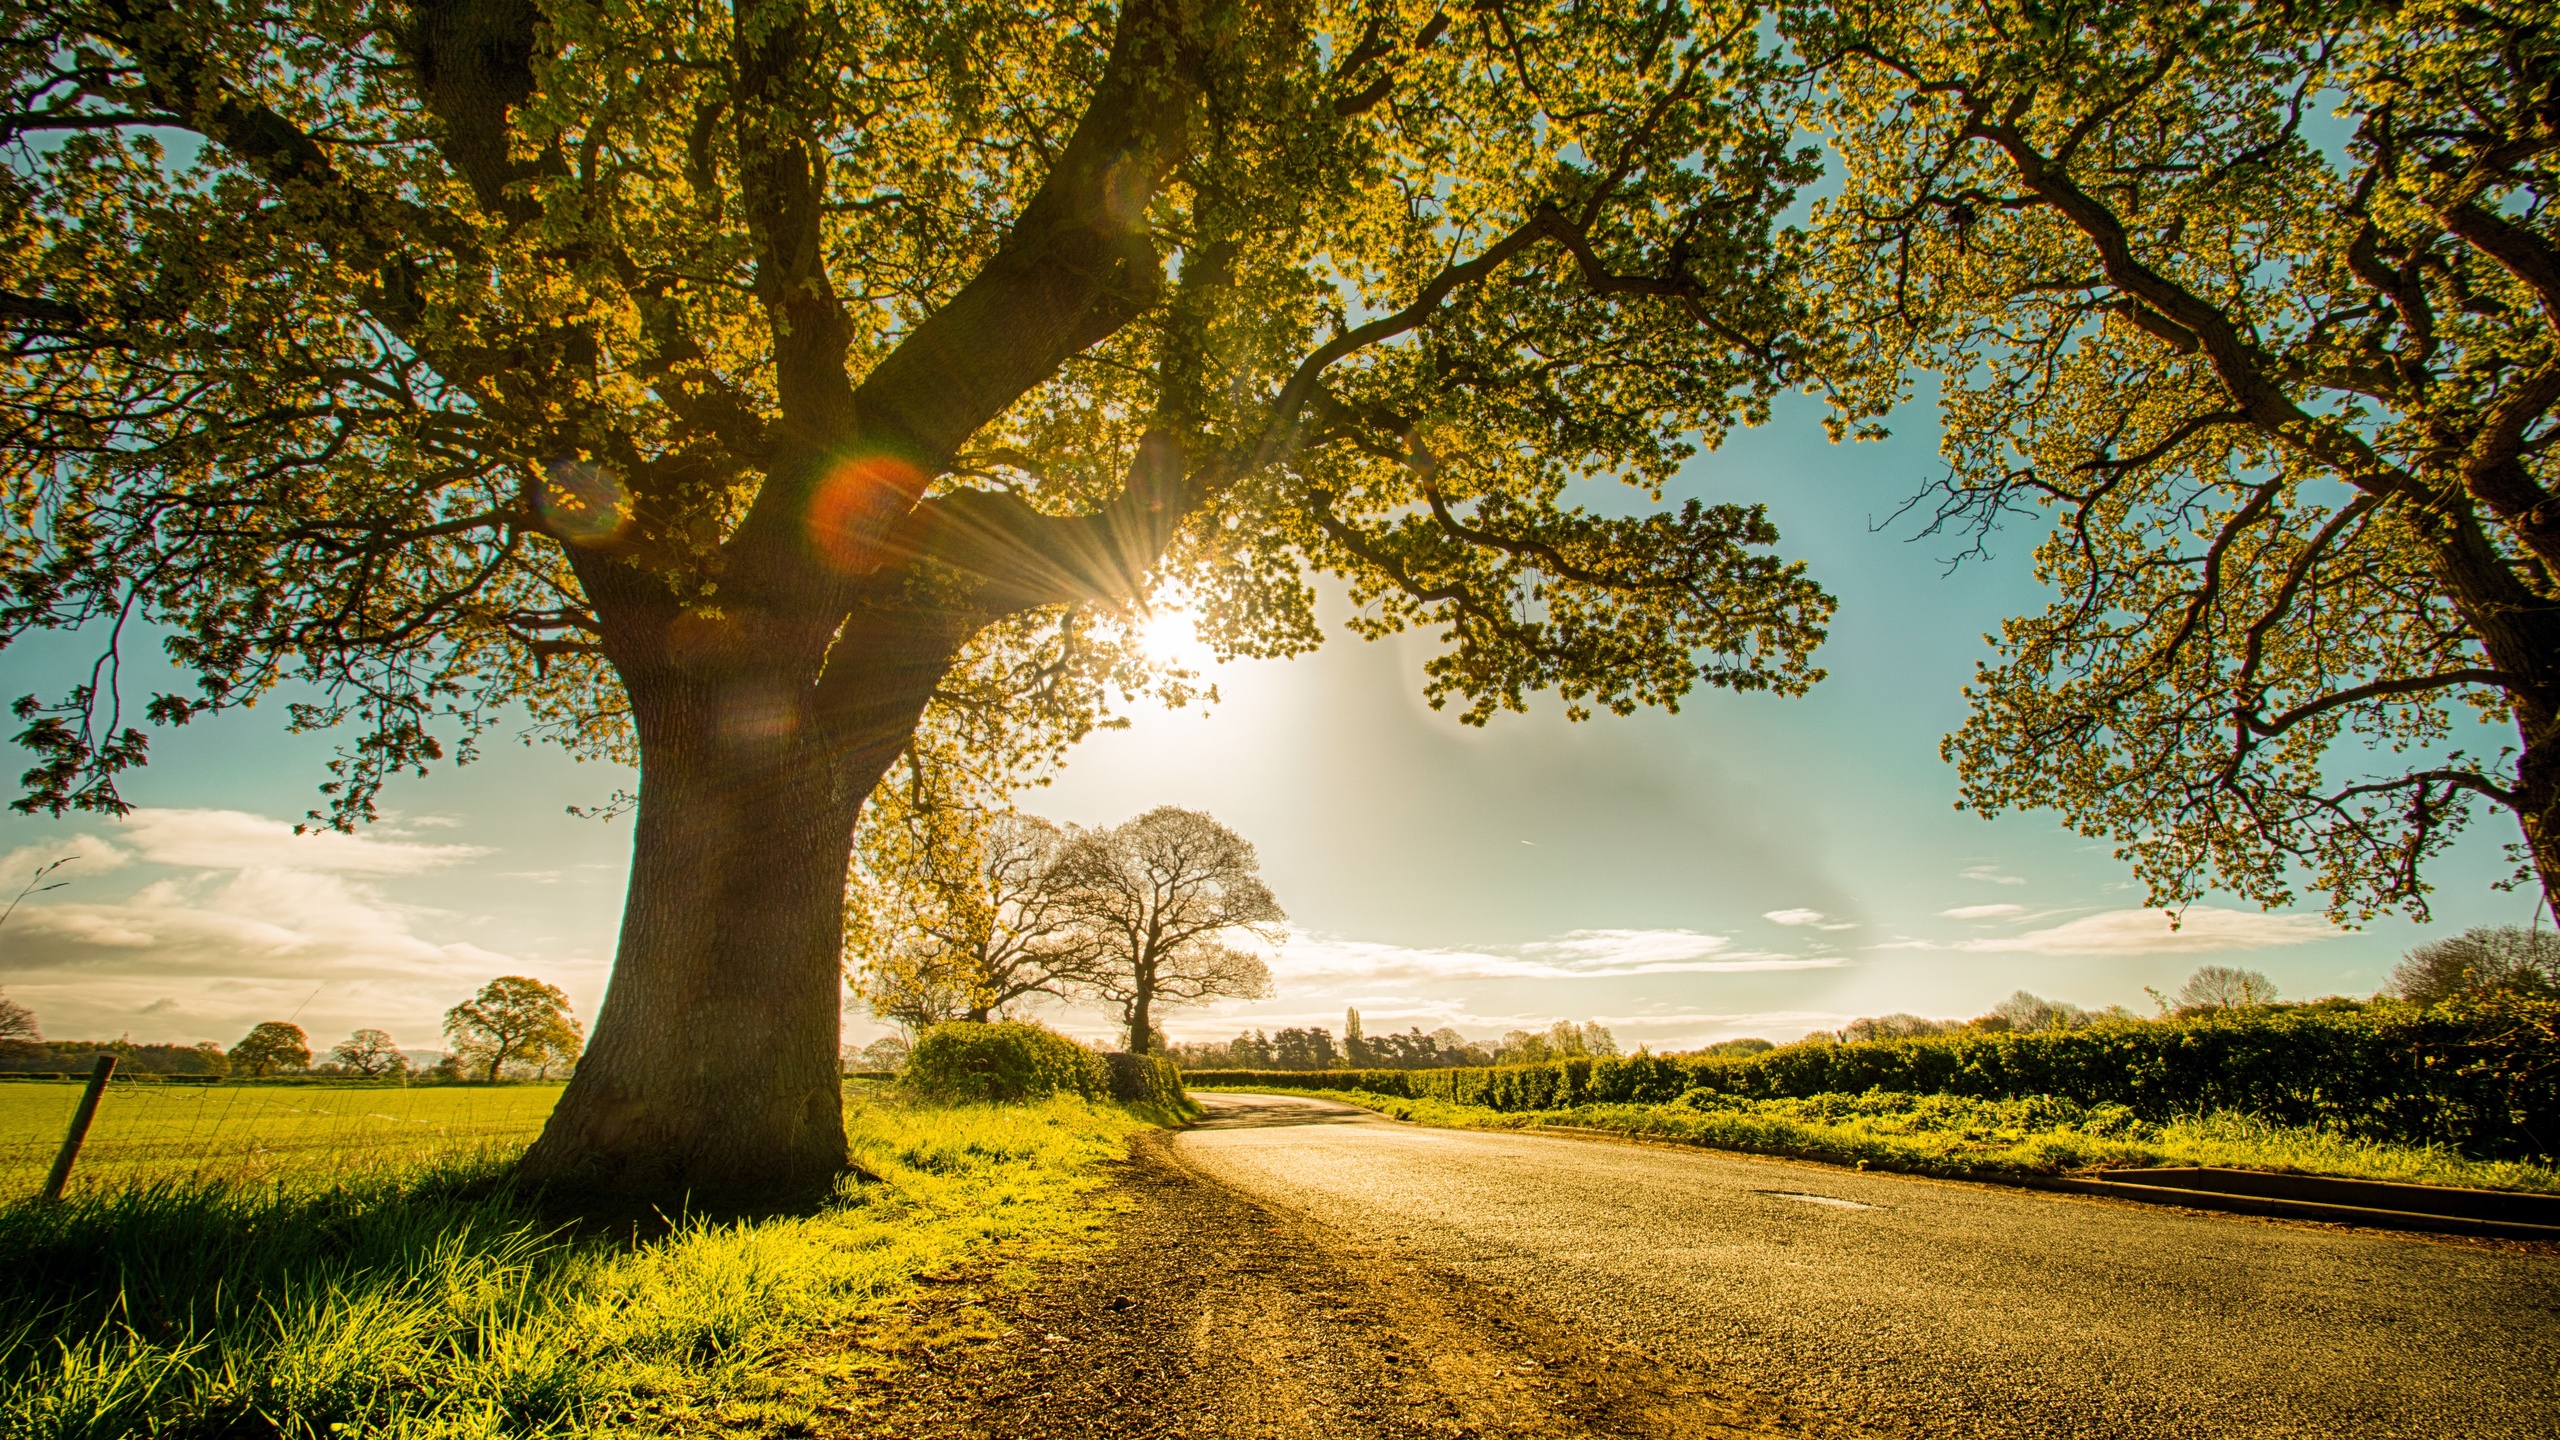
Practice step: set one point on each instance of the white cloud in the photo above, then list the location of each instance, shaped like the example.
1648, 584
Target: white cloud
88, 855
262, 923
237, 840
2204, 928
1580, 955
1990, 873
1814, 918
1983, 912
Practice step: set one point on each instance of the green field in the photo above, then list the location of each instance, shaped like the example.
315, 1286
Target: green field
316, 1261
260, 1132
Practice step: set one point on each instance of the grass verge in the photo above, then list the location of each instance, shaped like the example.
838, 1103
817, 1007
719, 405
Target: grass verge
1955, 1136
428, 1299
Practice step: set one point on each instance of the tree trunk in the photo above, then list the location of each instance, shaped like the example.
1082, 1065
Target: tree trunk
2520, 632
714, 1069
1142, 995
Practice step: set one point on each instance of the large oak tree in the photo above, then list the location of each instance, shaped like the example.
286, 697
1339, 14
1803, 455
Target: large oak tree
741, 386
2260, 305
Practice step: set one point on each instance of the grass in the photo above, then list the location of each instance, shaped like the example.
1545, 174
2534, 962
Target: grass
413, 1293
241, 1134
1952, 1135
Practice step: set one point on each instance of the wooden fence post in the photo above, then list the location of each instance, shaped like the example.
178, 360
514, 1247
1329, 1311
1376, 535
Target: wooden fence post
80, 1119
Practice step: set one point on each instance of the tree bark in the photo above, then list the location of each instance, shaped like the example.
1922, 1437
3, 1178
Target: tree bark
713, 1069
1141, 1000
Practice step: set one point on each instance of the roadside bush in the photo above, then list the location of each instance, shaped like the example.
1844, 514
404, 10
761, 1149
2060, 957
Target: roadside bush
1146, 1080
2479, 1075
962, 1060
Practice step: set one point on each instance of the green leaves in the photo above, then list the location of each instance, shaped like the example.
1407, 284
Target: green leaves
2204, 300
295, 392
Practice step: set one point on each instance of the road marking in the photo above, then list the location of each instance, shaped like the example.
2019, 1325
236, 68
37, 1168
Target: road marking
1817, 1200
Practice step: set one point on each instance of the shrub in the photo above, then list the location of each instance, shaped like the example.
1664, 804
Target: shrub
1007, 1060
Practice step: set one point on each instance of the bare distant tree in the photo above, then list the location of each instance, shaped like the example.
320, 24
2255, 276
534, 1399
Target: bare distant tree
369, 1053
2481, 959
2027, 1011
964, 915
17, 1022
1157, 899
2222, 987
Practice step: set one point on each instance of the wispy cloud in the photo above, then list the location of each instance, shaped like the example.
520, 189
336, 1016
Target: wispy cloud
1983, 912
1578, 955
254, 919
1990, 874
237, 840
1814, 918
2203, 929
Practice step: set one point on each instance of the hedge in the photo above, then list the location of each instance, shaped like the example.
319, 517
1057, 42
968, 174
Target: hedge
2480, 1076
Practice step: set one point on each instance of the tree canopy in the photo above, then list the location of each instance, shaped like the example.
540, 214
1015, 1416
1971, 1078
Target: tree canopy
955, 913
2480, 960
742, 388
514, 1019
369, 1052
270, 1046
2258, 309
1161, 900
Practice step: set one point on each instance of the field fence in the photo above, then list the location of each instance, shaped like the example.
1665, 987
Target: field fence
308, 1133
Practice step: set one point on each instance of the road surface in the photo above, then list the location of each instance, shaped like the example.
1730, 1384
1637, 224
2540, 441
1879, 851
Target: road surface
1934, 1307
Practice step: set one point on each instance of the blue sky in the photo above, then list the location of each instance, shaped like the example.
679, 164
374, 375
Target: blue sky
1748, 866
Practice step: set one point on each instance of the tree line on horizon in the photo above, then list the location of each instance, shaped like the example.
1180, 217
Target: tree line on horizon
514, 1027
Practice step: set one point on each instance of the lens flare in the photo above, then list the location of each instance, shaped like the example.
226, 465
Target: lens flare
841, 507
582, 501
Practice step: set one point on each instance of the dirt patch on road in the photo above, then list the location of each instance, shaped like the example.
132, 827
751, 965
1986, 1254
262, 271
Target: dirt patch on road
1211, 1317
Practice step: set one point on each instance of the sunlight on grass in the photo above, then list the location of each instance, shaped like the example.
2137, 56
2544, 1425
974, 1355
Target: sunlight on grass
1953, 1135
435, 1301
240, 1133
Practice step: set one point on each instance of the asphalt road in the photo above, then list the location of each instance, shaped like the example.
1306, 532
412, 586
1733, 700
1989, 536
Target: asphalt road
1927, 1306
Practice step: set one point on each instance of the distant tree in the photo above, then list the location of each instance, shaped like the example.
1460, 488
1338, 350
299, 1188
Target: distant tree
889, 1052
17, 1022
1894, 1027
1737, 1049
272, 1046
514, 1018
369, 1053
1157, 899
1302, 1049
1355, 1042
2482, 959
2026, 1011
209, 1059
953, 912
1563, 1040
1250, 1052
2221, 987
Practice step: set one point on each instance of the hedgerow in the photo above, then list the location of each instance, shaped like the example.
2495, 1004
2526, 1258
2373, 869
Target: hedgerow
2479, 1075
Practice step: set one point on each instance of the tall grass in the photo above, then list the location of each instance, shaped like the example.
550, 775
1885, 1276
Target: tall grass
437, 1301
1959, 1136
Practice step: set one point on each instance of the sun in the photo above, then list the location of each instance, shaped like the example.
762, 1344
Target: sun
1171, 636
